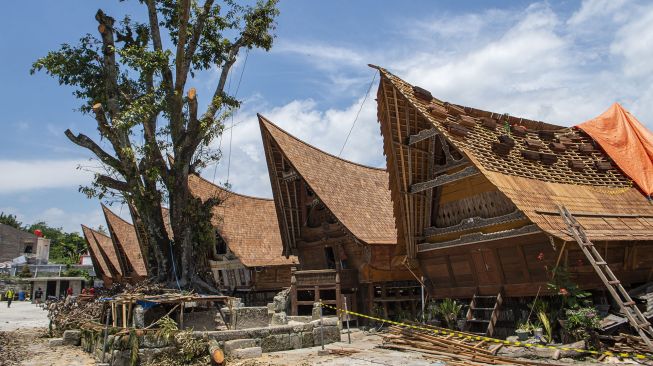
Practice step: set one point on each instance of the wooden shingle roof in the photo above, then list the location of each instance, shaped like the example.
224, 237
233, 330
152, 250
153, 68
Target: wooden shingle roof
541, 167
357, 195
97, 256
124, 235
248, 224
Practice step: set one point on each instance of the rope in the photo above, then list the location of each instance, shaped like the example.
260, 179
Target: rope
358, 113
174, 266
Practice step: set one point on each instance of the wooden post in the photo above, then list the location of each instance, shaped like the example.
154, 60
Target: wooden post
114, 315
181, 315
338, 296
124, 315
370, 299
293, 292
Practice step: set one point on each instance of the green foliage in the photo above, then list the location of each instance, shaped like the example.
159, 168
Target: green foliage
546, 324
11, 220
571, 295
525, 326
167, 328
65, 248
449, 310
75, 272
25, 272
582, 323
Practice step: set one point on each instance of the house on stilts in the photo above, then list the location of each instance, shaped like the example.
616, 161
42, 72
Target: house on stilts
247, 261
478, 196
336, 217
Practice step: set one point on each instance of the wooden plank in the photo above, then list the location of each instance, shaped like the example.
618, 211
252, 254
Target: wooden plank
480, 237
422, 135
444, 179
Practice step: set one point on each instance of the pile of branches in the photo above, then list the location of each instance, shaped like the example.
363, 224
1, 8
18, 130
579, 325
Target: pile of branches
74, 312
626, 343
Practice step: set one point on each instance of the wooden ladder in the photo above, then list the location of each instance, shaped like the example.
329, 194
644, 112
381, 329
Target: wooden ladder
481, 318
618, 292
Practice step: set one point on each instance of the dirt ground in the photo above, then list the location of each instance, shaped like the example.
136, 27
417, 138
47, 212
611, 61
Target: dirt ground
22, 339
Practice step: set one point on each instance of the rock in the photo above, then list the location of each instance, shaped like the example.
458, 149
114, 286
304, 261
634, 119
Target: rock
252, 352
279, 319
72, 337
281, 301
327, 321
315, 313
146, 355
249, 317
121, 358
276, 342
307, 340
55, 342
139, 317
295, 341
232, 345
152, 341
331, 335
300, 318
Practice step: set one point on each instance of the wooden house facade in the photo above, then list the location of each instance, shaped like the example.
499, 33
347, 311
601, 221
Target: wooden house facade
477, 198
248, 260
336, 217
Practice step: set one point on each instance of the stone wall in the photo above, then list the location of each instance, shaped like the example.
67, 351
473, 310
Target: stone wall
235, 343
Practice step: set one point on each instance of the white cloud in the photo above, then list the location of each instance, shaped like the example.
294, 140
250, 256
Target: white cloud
24, 175
634, 42
532, 62
592, 10
69, 220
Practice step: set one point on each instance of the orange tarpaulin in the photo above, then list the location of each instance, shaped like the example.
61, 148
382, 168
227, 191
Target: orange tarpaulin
627, 142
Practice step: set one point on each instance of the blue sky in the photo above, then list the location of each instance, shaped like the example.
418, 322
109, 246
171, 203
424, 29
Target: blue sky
561, 62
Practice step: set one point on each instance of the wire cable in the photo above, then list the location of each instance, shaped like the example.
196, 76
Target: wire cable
358, 113
231, 130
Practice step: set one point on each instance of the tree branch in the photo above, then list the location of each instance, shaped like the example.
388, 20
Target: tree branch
106, 30
180, 62
192, 45
112, 183
156, 42
86, 142
219, 90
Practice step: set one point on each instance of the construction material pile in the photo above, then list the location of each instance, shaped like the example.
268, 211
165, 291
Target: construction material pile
75, 311
449, 349
626, 343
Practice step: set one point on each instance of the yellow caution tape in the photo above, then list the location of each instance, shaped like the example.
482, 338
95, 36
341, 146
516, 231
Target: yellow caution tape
489, 339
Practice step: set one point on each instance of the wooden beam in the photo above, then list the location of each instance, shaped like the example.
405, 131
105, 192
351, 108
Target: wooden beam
444, 179
422, 135
439, 169
596, 214
475, 223
480, 237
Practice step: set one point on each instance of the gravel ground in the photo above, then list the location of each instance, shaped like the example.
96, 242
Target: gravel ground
22, 314
22, 339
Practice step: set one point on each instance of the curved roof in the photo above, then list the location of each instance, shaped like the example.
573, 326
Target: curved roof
96, 253
248, 224
127, 240
356, 194
601, 197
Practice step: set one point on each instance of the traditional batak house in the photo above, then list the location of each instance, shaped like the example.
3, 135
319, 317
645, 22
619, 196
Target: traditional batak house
336, 217
104, 257
248, 260
128, 249
478, 198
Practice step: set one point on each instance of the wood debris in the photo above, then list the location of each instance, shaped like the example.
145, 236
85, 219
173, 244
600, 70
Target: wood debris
452, 350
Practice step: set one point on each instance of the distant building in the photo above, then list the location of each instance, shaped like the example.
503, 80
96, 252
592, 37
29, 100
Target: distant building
16, 243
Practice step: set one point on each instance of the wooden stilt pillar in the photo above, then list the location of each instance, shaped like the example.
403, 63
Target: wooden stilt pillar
293, 292
124, 315
114, 315
338, 296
